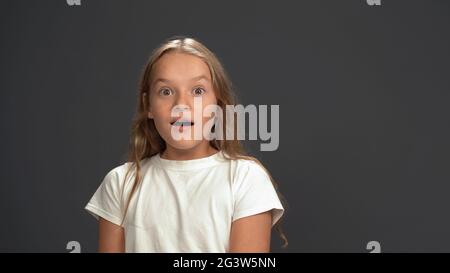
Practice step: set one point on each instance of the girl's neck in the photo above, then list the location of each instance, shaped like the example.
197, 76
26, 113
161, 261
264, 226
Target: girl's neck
199, 151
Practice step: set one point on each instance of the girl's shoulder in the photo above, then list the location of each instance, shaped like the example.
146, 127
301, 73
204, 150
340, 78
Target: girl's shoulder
245, 166
124, 171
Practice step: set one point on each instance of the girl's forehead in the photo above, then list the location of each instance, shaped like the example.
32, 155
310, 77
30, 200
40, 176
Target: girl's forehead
180, 66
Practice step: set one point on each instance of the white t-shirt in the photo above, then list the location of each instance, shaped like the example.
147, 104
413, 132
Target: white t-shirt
185, 205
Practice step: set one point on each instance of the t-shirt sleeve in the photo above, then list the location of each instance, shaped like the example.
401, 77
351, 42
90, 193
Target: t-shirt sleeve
254, 193
106, 201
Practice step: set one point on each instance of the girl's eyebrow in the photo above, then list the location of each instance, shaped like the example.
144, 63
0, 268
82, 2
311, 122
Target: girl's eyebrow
197, 78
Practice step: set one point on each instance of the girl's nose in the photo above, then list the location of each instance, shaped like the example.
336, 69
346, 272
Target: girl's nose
179, 108
182, 106
182, 101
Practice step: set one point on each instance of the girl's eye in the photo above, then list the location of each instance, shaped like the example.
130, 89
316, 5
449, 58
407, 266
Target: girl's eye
165, 92
198, 91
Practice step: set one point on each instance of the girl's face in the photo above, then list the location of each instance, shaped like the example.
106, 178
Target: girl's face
178, 79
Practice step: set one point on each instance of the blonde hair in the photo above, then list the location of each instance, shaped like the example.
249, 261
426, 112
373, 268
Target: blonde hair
145, 140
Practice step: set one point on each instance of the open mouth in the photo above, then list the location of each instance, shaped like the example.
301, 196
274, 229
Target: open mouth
182, 123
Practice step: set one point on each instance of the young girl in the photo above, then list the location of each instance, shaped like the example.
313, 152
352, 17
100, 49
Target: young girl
188, 194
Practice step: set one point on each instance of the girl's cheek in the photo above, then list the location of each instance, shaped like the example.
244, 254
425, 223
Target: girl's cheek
159, 105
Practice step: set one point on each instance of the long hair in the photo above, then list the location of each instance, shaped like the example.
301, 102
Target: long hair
145, 140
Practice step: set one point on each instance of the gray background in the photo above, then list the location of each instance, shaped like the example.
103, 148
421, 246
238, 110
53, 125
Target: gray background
364, 117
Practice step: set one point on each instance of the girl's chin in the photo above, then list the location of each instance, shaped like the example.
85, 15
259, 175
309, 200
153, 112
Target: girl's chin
183, 144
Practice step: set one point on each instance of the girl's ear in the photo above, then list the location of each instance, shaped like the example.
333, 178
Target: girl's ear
149, 113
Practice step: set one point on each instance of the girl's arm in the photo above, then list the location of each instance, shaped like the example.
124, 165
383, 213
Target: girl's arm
252, 233
110, 237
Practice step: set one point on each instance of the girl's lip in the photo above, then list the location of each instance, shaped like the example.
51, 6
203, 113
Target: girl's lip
182, 123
